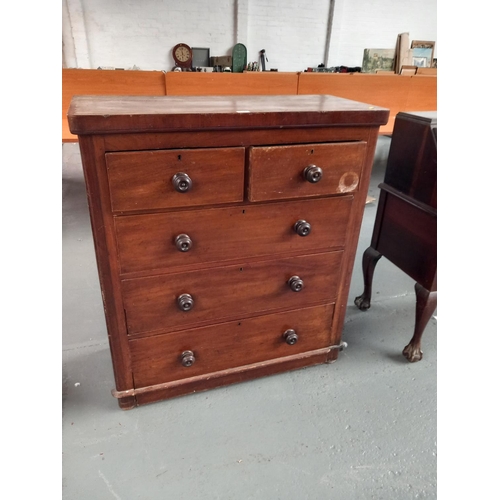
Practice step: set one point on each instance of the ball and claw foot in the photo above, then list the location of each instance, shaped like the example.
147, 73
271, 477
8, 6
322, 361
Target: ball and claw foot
362, 302
426, 305
412, 353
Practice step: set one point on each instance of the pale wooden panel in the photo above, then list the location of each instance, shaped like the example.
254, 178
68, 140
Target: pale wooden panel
427, 71
67, 136
252, 83
387, 91
422, 94
109, 82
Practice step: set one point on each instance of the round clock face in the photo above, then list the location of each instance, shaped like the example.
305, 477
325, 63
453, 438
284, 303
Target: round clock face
182, 54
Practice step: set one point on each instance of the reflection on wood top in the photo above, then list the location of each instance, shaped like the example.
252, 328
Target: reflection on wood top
111, 114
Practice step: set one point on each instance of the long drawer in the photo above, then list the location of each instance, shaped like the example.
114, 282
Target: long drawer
167, 240
159, 359
146, 180
279, 172
160, 302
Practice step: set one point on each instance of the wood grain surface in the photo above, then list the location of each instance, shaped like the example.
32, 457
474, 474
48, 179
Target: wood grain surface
156, 359
229, 292
276, 172
147, 242
143, 180
103, 114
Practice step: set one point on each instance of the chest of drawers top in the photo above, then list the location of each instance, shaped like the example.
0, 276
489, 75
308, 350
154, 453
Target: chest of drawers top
127, 114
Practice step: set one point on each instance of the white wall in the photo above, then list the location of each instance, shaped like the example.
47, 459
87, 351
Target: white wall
128, 33
362, 24
292, 32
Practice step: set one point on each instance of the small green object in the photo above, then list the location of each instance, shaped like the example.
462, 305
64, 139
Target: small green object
239, 58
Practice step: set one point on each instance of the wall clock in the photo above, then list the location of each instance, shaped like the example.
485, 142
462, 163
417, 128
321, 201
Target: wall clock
183, 55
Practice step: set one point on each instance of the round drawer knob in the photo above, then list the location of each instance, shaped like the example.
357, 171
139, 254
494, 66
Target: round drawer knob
185, 302
182, 182
183, 243
295, 284
312, 173
302, 227
290, 337
187, 358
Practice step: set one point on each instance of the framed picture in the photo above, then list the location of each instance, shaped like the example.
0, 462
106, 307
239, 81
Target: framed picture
423, 53
378, 59
201, 57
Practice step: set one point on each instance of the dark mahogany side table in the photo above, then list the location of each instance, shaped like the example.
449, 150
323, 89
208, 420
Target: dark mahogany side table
405, 230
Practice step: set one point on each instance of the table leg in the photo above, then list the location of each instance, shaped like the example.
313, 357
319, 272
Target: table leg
426, 305
370, 259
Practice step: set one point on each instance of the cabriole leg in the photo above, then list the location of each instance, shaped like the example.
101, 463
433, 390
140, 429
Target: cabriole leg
426, 305
370, 259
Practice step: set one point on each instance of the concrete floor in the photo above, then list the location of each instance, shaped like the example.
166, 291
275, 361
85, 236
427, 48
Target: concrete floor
361, 428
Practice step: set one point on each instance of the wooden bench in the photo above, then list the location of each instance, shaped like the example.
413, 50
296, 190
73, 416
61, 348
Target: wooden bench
106, 82
395, 92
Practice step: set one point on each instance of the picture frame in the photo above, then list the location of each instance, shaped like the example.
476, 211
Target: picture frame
378, 60
423, 53
201, 57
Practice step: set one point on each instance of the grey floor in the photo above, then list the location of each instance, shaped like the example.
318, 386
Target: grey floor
361, 428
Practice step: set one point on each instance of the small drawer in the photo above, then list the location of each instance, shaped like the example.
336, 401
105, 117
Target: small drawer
160, 359
148, 180
280, 172
166, 240
177, 301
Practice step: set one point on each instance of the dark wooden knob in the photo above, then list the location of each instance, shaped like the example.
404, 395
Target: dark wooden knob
302, 227
183, 243
185, 302
182, 182
187, 358
290, 337
312, 173
295, 284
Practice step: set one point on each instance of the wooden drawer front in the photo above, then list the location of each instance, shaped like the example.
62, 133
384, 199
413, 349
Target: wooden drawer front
157, 359
148, 242
277, 172
143, 180
229, 292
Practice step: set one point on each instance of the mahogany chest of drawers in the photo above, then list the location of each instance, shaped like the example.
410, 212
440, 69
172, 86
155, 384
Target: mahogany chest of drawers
225, 231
